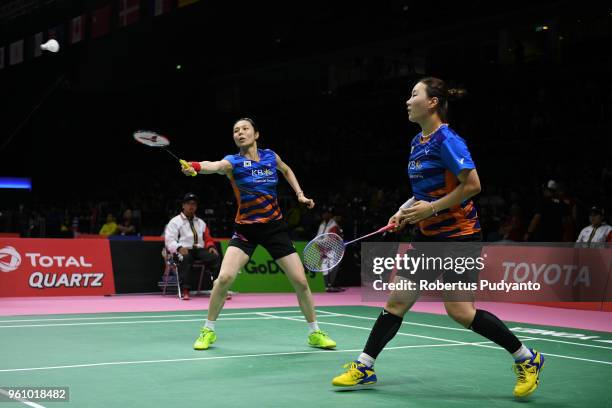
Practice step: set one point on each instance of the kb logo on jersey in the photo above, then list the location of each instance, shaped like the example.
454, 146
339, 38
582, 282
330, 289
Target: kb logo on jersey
415, 165
261, 173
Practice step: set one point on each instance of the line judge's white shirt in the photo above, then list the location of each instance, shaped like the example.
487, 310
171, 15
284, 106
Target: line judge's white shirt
599, 234
178, 233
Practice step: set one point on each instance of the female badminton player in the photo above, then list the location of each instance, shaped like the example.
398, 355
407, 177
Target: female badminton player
253, 174
443, 178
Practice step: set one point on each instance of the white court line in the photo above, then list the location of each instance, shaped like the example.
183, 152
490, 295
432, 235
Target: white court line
200, 319
483, 345
369, 328
571, 342
23, 401
466, 330
134, 322
404, 322
174, 360
456, 342
576, 358
147, 316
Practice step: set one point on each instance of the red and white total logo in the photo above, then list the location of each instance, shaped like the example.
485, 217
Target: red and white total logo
9, 259
55, 267
59, 270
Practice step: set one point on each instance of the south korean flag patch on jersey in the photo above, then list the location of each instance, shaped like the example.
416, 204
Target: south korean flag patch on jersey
246, 163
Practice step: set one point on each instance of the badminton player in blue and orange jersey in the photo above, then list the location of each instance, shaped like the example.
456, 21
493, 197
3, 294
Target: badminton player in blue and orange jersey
443, 178
253, 174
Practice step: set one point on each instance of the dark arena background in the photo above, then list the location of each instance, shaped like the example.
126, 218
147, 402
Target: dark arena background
90, 305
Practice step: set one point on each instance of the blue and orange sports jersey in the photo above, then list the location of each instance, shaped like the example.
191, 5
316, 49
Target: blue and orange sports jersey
254, 184
433, 168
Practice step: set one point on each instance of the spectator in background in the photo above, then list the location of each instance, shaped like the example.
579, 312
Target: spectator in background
66, 227
190, 237
549, 218
127, 226
293, 218
606, 173
513, 228
110, 226
570, 223
22, 222
330, 224
53, 222
599, 231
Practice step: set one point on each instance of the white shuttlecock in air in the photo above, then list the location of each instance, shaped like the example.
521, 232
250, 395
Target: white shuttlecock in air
51, 46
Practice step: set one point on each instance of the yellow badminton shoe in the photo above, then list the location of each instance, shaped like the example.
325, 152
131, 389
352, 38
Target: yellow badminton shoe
356, 374
207, 337
528, 374
320, 339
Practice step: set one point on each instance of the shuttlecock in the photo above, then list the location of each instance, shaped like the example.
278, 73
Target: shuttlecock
51, 46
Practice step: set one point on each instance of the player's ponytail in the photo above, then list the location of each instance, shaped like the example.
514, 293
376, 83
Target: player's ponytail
437, 88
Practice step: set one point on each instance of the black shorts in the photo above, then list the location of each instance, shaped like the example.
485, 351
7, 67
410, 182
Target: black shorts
273, 236
466, 246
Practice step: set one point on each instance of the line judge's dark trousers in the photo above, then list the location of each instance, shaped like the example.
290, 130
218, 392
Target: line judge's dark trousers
211, 261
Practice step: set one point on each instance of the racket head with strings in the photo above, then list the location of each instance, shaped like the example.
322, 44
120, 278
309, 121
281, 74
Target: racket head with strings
324, 252
154, 139
150, 138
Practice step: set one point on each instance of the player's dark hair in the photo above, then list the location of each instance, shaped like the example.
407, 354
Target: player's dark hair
251, 121
435, 87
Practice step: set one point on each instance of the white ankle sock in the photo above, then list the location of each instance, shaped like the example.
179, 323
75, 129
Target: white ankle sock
210, 324
522, 353
313, 327
366, 359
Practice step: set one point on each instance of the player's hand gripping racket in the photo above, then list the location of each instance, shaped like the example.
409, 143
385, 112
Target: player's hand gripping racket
326, 251
154, 139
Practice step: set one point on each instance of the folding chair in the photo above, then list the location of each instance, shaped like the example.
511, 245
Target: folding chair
171, 271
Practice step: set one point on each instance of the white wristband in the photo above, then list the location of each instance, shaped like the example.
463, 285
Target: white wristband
408, 203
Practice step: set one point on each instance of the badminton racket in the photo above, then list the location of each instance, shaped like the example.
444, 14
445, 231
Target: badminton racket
326, 251
154, 139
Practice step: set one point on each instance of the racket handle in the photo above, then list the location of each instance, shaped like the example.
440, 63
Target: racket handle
383, 229
185, 165
387, 228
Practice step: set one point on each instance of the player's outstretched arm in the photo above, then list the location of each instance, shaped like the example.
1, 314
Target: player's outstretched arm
293, 182
208, 167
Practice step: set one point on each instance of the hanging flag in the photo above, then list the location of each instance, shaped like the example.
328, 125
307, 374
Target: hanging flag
160, 7
129, 12
76, 29
38, 40
183, 3
100, 21
16, 53
1, 57
58, 33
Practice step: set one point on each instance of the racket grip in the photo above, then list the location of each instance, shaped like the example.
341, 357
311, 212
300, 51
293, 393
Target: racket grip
185, 165
388, 228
